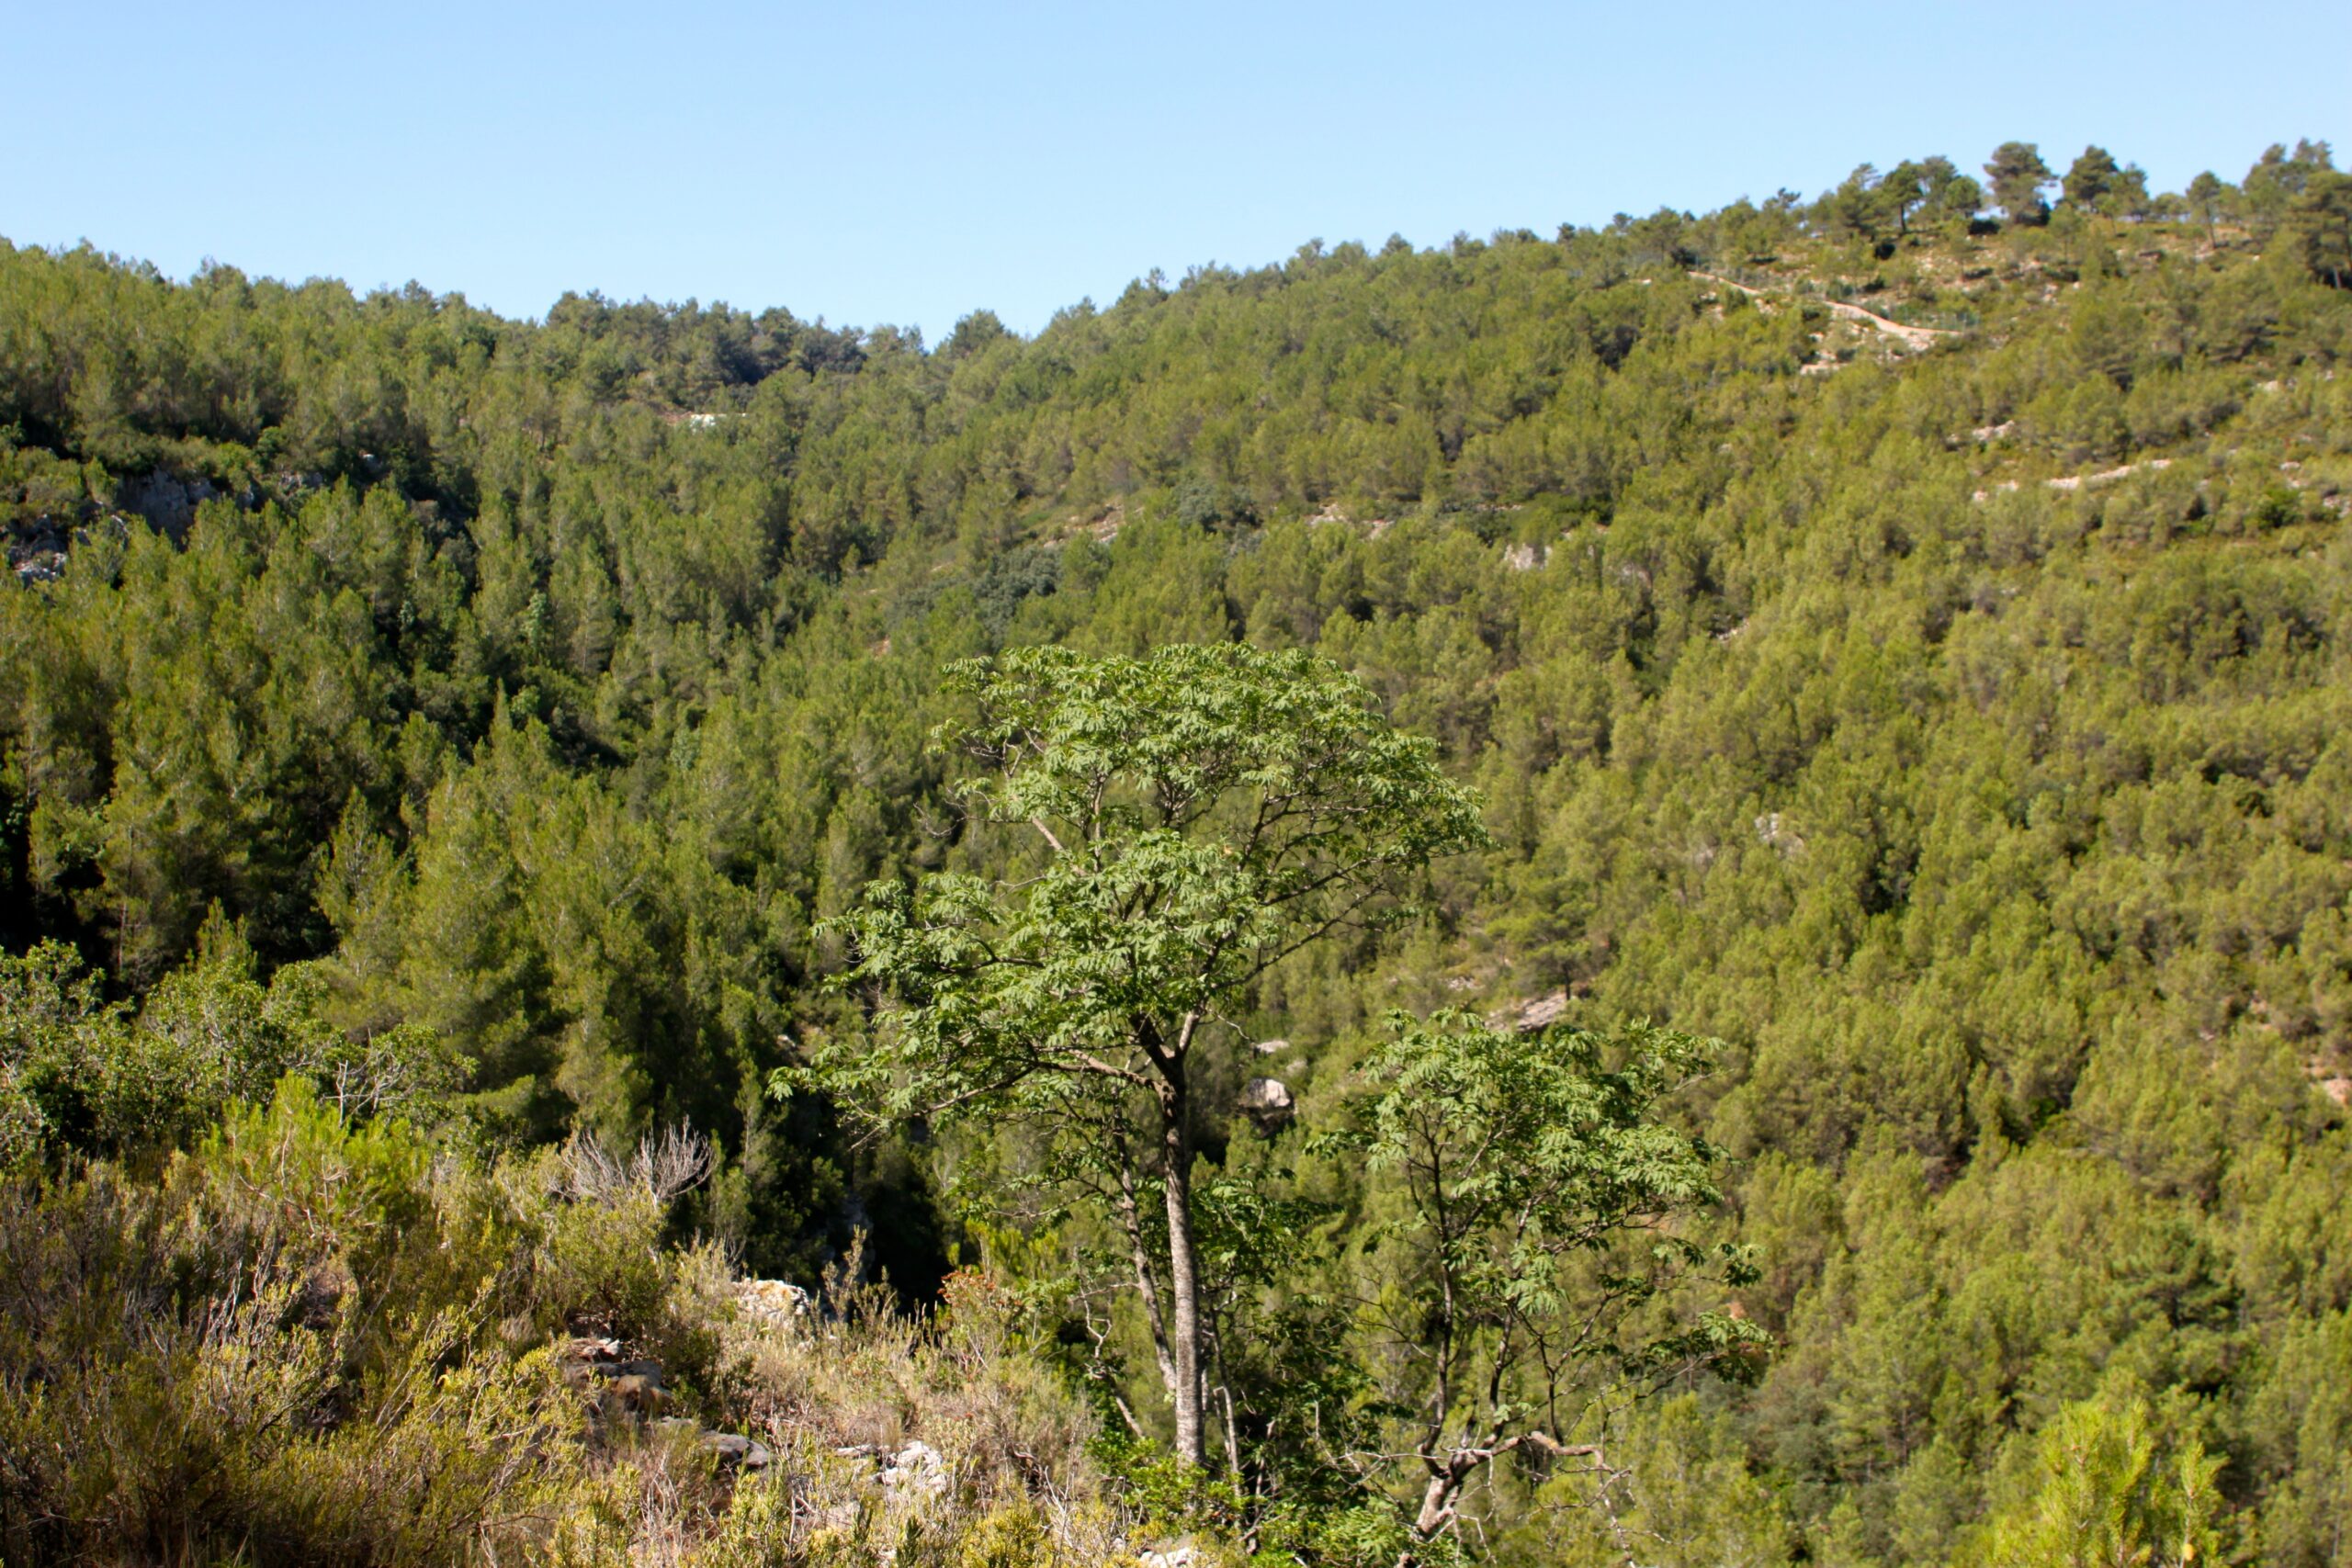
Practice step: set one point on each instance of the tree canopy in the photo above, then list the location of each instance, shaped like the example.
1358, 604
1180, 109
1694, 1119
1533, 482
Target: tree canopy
1205, 814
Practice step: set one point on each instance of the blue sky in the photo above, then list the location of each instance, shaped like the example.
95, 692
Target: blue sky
910, 163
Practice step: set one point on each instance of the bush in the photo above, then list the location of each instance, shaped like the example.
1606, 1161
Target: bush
324, 1340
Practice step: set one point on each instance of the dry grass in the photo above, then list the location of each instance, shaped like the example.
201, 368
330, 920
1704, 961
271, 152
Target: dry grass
318, 1343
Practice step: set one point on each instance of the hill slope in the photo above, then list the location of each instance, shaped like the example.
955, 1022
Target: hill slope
1918, 660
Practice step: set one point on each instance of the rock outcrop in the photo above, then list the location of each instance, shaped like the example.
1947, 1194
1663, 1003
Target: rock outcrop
165, 500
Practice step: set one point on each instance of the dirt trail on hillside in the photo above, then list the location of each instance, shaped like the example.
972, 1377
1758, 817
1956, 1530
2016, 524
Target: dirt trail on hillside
1910, 337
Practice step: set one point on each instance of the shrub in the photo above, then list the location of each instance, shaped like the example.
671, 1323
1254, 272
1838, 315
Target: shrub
324, 1340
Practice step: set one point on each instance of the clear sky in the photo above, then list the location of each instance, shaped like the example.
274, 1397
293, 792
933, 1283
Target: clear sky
905, 163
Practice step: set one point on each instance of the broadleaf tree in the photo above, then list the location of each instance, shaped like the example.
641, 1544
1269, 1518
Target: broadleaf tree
1531, 1243
1188, 820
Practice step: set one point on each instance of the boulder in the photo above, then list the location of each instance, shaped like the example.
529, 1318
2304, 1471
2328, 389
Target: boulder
324, 1289
634, 1389
736, 1452
917, 1469
1266, 1098
1773, 831
773, 1302
587, 1358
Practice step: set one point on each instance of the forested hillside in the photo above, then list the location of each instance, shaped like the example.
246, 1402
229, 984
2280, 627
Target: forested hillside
1909, 648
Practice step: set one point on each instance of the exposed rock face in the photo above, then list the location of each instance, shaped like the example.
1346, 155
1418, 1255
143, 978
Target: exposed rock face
1543, 1011
1266, 1099
166, 500
1270, 1047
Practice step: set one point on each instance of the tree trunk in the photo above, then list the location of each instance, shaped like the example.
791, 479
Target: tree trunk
1146, 1283
1437, 1501
1183, 1279
1436, 1512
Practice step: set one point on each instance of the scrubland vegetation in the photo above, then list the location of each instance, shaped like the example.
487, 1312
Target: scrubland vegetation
1862, 689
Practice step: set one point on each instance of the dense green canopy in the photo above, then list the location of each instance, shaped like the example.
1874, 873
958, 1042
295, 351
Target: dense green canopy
1908, 649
